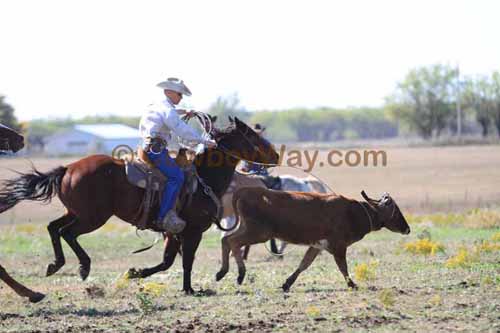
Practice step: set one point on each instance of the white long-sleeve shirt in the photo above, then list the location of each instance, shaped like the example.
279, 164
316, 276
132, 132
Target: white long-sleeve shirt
161, 119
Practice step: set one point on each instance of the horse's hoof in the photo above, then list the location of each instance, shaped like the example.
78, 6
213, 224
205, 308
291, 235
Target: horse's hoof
219, 275
53, 268
36, 297
84, 272
285, 287
352, 285
134, 273
240, 279
189, 291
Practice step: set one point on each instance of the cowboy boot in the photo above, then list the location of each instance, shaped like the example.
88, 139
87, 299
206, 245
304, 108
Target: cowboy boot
172, 222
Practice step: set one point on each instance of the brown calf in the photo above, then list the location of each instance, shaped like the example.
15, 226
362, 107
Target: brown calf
321, 221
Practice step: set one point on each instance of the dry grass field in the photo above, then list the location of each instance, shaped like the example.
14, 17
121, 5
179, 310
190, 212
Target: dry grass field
424, 179
444, 276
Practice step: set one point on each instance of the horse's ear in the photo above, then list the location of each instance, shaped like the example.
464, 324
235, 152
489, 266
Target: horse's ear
213, 118
239, 122
231, 120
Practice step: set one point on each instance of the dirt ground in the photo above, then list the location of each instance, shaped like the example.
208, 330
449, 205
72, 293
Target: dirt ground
399, 290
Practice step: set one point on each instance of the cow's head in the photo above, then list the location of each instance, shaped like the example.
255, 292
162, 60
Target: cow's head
388, 213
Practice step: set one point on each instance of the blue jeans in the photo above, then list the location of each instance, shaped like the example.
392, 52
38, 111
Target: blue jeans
167, 166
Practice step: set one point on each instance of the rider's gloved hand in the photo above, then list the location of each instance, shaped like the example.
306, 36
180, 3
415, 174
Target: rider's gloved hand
190, 114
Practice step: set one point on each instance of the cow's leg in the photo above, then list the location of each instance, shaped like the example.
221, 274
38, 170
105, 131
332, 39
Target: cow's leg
252, 234
238, 256
304, 264
189, 246
172, 246
233, 243
225, 257
340, 259
247, 234
54, 228
21, 290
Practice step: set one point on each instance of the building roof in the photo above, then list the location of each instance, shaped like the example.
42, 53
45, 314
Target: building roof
110, 131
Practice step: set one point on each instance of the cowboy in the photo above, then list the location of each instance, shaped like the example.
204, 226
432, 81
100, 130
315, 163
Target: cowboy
156, 127
252, 168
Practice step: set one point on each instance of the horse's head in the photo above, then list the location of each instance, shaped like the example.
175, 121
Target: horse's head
241, 141
10, 140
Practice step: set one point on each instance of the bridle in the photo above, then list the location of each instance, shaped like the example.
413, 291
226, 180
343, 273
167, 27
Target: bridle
203, 118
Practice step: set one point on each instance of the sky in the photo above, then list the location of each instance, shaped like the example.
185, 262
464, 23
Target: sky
78, 58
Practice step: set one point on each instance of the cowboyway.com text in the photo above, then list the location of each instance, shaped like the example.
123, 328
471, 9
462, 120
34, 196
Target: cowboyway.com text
310, 159
299, 158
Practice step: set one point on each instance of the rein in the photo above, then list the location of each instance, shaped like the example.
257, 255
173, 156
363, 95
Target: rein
277, 165
206, 123
271, 164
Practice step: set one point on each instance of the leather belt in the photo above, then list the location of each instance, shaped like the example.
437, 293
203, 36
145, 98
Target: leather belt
155, 145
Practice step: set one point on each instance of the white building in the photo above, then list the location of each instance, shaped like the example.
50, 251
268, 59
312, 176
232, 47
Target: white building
91, 139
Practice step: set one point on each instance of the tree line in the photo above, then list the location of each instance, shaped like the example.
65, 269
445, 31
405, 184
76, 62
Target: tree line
424, 103
428, 101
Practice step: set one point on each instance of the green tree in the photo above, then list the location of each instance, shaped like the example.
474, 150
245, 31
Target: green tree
7, 116
226, 106
424, 100
477, 97
495, 89
306, 124
332, 124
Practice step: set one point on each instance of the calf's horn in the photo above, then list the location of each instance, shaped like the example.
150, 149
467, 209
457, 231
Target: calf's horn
363, 193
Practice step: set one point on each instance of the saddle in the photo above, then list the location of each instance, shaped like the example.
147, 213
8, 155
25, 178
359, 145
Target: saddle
142, 173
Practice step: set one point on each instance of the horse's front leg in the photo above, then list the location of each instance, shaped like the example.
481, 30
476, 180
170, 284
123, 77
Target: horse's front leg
172, 245
189, 246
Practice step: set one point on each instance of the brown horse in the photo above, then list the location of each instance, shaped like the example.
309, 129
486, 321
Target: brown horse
95, 188
11, 141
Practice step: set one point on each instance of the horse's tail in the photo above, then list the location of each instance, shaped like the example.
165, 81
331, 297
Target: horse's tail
34, 186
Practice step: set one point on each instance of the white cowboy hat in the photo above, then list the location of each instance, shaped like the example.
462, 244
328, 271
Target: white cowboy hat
176, 85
